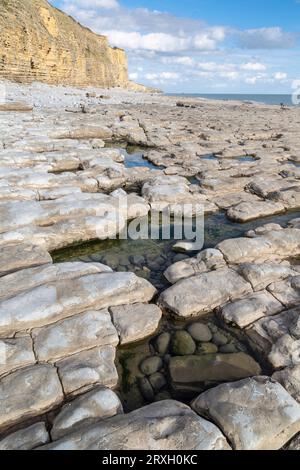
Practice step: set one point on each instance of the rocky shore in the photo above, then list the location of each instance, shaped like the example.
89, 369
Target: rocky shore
105, 345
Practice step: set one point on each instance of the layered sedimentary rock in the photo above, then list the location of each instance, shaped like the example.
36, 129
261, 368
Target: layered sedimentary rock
39, 42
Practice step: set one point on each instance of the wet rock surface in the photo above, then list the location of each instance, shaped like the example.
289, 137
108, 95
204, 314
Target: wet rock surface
91, 323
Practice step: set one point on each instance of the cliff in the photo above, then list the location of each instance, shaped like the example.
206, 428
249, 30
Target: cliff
40, 43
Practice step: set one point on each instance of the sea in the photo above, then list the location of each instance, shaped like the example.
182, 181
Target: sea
265, 99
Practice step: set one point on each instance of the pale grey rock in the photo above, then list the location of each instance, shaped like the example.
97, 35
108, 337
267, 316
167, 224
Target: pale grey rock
27, 279
246, 211
263, 230
80, 372
81, 332
206, 260
276, 244
202, 293
287, 292
85, 410
277, 338
261, 276
135, 322
27, 393
51, 302
242, 409
290, 380
84, 132
15, 257
243, 312
26, 439
16, 353
290, 198
166, 425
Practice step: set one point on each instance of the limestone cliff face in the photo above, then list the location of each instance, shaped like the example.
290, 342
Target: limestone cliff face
39, 42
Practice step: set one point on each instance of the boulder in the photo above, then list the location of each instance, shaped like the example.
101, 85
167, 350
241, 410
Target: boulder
207, 260
287, 291
246, 211
242, 409
262, 275
92, 407
27, 393
276, 244
243, 312
78, 333
289, 378
14, 257
277, 338
82, 371
166, 425
16, 353
26, 439
57, 300
135, 322
201, 294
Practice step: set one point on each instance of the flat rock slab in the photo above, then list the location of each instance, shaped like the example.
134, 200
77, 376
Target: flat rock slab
166, 425
206, 260
274, 244
201, 294
52, 302
135, 322
27, 393
242, 409
27, 279
16, 353
80, 332
290, 380
26, 439
85, 410
212, 368
80, 372
277, 338
21, 256
287, 291
262, 275
246, 211
243, 312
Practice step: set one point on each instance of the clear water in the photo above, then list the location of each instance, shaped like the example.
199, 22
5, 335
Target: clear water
134, 157
270, 99
150, 258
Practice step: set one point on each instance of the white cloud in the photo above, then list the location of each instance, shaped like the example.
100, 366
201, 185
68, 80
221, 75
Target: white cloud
133, 76
266, 38
280, 76
254, 66
251, 80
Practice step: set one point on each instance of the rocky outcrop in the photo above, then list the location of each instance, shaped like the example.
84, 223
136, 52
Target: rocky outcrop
242, 409
40, 43
161, 426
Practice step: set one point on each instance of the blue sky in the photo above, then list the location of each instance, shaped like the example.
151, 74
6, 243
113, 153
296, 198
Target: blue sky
204, 46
